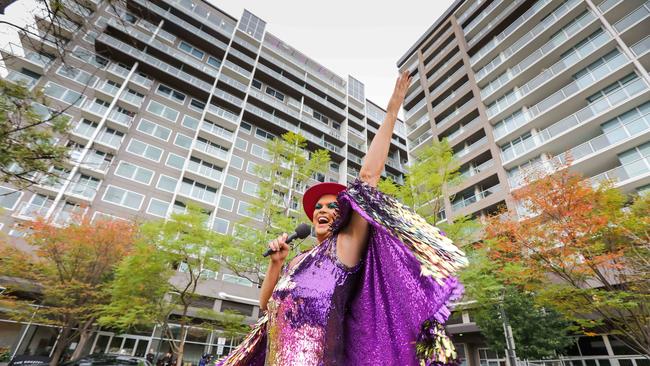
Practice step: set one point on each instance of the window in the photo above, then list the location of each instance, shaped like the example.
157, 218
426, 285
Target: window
260, 152
274, 93
183, 141
85, 128
212, 61
122, 197
220, 225
175, 161
257, 84
334, 167
246, 127
190, 122
197, 105
244, 209
9, 198
170, 93
231, 182
158, 207
237, 162
162, 111
145, 150
321, 117
263, 135
226, 203
166, 183
249, 188
77, 75
134, 172
251, 167
236, 306
191, 50
154, 129
241, 144
56, 91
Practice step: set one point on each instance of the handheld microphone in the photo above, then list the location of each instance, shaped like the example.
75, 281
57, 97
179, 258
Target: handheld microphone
302, 231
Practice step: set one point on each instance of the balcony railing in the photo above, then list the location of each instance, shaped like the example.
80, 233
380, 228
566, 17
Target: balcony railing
422, 138
473, 170
211, 150
455, 113
484, 13
204, 171
120, 118
443, 83
274, 119
198, 193
508, 31
475, 198
547, 23
470, 148
641, 47
220, 112
110, 139
463, 128
566, 62
634, 17
31, 211
496, 20
624, 172
82, 190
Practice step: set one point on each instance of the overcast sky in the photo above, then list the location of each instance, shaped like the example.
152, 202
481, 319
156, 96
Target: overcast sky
356, 37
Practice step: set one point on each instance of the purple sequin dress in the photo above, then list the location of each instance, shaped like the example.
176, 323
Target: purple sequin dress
307, 309
322, 313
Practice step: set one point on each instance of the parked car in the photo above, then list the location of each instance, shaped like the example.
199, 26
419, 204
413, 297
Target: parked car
107, 359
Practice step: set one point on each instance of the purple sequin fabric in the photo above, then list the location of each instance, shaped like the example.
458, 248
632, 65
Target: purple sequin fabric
307, 310
369, 317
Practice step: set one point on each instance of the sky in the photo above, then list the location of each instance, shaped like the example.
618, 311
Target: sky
350, 37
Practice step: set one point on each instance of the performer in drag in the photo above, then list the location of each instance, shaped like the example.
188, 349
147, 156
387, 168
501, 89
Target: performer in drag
378, 282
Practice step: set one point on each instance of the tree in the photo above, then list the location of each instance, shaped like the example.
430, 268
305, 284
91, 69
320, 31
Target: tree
28, 148
159, 282
432, 173
288, 171
581, 251
70, 269
538, 332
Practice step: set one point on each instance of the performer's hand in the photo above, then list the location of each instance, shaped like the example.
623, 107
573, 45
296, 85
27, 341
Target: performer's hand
401, 85
280, 249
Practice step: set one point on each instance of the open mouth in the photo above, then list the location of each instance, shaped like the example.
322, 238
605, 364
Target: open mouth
323, 220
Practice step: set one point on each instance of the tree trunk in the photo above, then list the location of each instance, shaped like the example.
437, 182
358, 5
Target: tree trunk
181, 345
85, 334
61, 345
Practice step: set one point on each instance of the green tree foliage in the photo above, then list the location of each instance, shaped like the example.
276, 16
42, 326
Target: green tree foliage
538, 332
277, 206
28, 131
159, 282
432, 172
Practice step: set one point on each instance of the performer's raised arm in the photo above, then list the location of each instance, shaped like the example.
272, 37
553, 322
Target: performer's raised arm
353, 238
375, 158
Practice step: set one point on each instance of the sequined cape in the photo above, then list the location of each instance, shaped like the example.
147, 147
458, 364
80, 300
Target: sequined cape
407, 278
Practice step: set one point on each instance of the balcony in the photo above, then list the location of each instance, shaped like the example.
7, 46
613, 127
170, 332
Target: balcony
277, 76
204, 15
514, 26
464, 128
95, 110
629, 130
443, 84
313, 122
228, 97
156, 63
416, 109
474, 170
562, 65
30, 211
106, 90
272, 118
181, 23
110, 140
568, 123
204, 171
212, 151
355, 159
96, 162
459, 110
198, 193
495, 20
19, 78
119, 121
16, 57
443, 68
217, 131
426, 136
424, 120
240, 55
479, 18
527, 38
119, 71
69, 214
360, 147
132, 100
623, 174
82, 191
234, 83
632, 19
473, 147
445, 102
222, 114
641, 48
275, 103
481, 195
237, 71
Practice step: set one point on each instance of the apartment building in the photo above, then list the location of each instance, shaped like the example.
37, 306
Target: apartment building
515, 85
172, 102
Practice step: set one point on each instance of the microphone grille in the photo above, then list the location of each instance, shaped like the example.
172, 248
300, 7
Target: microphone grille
303, 230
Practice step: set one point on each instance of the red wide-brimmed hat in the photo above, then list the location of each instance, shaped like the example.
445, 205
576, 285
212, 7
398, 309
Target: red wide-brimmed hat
315, 192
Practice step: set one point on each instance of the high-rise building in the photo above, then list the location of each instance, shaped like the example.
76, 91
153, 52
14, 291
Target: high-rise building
519, 84
173, 101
